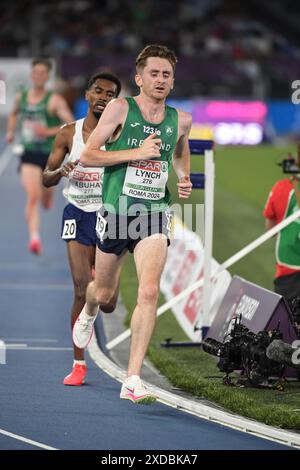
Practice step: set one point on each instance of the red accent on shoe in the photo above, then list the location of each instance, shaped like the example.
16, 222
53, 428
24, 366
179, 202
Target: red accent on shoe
35, 246
77, 376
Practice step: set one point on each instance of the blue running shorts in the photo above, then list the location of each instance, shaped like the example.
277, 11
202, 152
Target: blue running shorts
79, 225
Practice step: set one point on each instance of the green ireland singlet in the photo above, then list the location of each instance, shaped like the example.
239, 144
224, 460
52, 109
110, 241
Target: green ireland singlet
36, 114
141, 182
288, 240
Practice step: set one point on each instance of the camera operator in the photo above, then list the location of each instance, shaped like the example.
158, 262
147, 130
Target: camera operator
284, 200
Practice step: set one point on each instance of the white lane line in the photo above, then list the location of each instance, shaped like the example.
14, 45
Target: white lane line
28, 267
28, 441
31, 340
5, 159
22, 347
56, 287
6, 156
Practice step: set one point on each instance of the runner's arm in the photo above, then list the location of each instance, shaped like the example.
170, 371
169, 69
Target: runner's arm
12, 120
181, 156
113, 117
61, 109
57, 107
54, 170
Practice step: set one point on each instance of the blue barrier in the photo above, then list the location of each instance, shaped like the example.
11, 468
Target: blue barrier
198, 147
197, 180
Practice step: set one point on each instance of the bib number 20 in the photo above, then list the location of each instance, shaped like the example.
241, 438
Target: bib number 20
69, 230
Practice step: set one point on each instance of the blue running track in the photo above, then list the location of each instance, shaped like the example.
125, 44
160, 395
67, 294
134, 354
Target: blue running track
35, 299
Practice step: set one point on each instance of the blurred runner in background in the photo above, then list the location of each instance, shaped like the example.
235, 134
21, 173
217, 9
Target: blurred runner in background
42, 112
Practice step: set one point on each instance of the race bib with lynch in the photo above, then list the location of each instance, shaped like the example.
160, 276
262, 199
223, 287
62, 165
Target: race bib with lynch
146, 179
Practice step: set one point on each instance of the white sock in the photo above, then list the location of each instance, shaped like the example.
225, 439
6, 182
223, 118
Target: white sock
35, 236
132, 379
85, 316
81, 363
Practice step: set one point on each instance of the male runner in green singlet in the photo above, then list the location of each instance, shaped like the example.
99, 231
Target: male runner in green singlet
143, 138
42, 112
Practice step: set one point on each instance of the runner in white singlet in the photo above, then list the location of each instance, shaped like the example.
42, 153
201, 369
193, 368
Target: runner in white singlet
83, 192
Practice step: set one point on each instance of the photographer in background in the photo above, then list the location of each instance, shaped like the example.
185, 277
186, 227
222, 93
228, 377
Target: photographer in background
284, 200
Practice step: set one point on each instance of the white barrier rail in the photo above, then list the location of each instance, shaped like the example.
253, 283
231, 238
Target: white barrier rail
229, 262
209, 171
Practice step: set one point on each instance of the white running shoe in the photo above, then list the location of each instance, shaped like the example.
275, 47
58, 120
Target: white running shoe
83, 330
137, 392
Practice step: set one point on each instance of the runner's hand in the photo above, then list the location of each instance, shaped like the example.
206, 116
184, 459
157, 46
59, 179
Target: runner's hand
150, 148
40, 131
68, 167
184, 187
9, 138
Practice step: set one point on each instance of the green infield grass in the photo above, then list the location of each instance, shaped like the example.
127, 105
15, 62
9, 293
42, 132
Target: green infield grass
244, 177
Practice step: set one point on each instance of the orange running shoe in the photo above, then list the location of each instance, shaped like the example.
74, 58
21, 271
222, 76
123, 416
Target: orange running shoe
35, 246
77, 376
